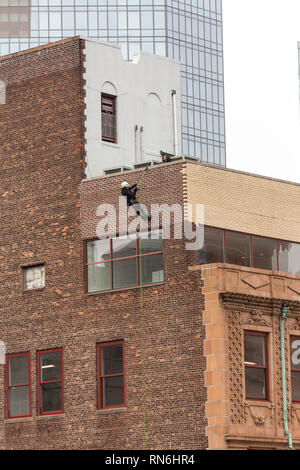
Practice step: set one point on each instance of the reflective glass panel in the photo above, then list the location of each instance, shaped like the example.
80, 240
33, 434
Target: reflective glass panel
19, 401
264, 253
295, 353
237, 248
98, 250
50, 364
18, 370
51, 397
112, 391
289, 257
255, 350
151, 269
255, 383
149, 242
111, 359
98, 277
213, 247
121, 248
124, 273
295, 386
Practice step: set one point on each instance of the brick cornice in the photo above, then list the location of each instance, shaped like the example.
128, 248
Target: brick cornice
239, 300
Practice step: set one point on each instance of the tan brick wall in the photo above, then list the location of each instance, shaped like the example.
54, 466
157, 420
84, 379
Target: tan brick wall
243, 202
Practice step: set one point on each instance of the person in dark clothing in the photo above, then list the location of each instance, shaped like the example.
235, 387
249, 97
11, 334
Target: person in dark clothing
130, 193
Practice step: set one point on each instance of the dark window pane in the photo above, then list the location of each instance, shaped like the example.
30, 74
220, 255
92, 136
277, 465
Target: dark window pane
264, 253
255, 353
112, 359
108, 126
51, 397
255, 383
108, 118
151, 269
98, 277
124, 273
122, 248
295, 386
213, 246
98, 250
295, 353
18, 370
50, 366
237, 248
19, 401
112, 391
147, 244
289, 257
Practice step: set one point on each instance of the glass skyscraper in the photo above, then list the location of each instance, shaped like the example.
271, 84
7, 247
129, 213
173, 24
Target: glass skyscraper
190, 31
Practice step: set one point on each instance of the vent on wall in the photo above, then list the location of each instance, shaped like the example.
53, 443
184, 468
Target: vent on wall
117, 169
139, 165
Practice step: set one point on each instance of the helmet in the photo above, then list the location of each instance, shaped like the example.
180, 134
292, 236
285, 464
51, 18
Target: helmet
124, 184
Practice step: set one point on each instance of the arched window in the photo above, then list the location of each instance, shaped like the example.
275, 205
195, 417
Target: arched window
108, 118
109, 112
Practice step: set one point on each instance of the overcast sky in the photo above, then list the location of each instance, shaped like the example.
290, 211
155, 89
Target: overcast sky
262, 86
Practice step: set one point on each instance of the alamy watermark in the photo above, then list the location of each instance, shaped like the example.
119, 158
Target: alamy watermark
187, 221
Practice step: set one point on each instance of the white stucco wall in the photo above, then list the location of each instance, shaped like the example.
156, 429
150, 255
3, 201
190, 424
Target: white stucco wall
144, 99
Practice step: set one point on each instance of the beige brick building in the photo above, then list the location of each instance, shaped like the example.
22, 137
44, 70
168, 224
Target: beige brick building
243, 299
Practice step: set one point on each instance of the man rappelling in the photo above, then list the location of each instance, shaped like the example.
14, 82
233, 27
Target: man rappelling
130, 192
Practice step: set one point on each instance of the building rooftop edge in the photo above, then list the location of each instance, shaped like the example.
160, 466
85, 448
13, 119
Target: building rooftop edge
87, 39
38, 48
136, 55
183, 161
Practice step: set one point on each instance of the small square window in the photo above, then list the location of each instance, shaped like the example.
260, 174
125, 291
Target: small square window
34, 277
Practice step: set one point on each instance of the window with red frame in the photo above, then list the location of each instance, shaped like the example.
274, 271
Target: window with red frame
50, 381
18, 385
124, 262
295, 367
111, 375
108, 117
256, 365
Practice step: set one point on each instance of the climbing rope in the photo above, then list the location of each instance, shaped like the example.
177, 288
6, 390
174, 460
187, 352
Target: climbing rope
141, 179
143, 332
143, 350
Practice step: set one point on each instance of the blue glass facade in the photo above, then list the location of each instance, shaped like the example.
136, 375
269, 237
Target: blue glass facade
190, 31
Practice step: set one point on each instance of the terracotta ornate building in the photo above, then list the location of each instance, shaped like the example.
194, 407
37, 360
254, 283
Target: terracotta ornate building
111, 343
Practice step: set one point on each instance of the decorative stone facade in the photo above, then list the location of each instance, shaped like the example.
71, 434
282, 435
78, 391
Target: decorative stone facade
237, 299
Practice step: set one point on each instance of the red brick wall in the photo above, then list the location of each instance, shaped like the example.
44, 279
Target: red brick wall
173, 332
42, 161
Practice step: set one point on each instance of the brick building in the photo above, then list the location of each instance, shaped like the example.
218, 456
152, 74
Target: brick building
110, 344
